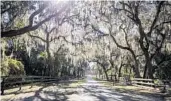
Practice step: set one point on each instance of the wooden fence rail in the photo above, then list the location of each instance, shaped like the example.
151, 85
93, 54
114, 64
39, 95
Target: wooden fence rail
11, 81
151, 82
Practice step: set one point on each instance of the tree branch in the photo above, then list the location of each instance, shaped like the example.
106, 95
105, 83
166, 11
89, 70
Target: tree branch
126, 37
31, 18
58, 38
126, 10
59, 48
156, 17
28, 28
37, 37
118, 45
158, 48
165, 22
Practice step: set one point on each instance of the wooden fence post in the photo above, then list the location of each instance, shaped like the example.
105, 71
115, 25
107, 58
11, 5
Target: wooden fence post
113, 81
21, 83
2, 86
31, 82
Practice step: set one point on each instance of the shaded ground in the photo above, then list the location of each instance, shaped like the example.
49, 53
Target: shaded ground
91, 90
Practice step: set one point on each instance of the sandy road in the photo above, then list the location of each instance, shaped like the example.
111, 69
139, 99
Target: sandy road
90, 91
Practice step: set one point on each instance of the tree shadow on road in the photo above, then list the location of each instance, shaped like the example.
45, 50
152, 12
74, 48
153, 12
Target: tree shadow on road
106, 94
43, 94
61, 92
46, 92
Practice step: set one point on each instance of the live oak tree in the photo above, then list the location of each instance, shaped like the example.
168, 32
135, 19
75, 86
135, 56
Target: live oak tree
110, 17
153, 33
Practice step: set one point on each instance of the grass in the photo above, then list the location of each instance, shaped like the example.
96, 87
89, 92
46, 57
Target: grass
96, 79
36, 86
24, 88
131, 89
69, 87
77, 83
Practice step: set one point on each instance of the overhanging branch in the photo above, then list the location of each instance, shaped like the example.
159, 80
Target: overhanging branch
30, 27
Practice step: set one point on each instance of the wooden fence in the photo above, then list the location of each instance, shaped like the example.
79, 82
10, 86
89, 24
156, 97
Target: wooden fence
150, 82
18, 81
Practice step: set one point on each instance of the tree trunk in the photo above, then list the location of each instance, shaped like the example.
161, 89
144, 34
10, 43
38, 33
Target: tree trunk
120, 68
107, 78
145, 72
105, 71
135, 67
112, 66
48, 54
99, 72
148, 67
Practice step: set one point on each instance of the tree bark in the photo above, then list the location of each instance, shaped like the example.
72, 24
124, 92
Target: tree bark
148, 67
48, 54
104, 69
107, 77
120, 68
135, 67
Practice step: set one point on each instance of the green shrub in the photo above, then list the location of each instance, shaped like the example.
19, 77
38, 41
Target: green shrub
42, 55
158, 82
12, 67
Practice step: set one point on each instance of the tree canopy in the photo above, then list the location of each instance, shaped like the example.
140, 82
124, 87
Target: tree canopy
58, 38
